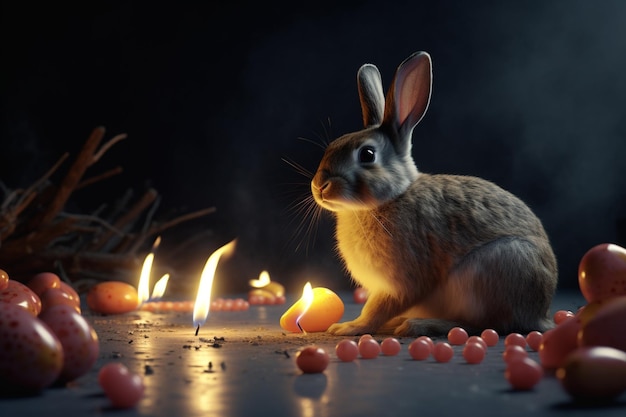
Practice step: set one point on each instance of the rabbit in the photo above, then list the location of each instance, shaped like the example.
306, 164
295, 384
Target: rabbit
433, 251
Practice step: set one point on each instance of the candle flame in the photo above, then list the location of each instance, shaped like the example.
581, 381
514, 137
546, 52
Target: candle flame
262, 281
143, 289
203, 298
159, 288
307, 300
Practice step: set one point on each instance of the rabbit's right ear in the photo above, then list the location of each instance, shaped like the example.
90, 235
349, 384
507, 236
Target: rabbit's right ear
371, 95
409, 94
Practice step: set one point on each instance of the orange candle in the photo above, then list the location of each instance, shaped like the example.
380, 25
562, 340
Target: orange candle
315, 311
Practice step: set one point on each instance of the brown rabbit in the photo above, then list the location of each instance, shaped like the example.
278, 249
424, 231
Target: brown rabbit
434, 251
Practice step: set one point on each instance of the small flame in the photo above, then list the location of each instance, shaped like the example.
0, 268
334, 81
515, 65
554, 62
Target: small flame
159, 288
203, 298
307, 300
264, 280
143, 290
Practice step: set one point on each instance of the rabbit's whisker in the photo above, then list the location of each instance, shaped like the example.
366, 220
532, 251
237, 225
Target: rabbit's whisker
298, 168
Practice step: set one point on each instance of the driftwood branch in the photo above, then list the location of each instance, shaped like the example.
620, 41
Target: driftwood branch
37, 234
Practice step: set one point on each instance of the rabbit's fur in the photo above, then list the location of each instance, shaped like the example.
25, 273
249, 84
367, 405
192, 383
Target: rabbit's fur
434, 251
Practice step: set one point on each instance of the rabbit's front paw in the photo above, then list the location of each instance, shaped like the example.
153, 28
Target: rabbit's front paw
349, 328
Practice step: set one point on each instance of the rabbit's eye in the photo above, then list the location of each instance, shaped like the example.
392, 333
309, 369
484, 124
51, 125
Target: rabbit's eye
367, 155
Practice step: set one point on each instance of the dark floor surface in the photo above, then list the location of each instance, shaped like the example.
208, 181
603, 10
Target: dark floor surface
253, 373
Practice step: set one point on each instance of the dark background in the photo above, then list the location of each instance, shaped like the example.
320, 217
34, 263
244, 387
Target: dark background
531, 95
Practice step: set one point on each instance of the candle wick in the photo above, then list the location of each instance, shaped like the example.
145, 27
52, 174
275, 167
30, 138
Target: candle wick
300, 327
197, 329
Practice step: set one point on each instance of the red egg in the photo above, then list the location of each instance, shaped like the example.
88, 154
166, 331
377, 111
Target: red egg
19, 294
419, 349
42, 281
457, 336
112, 297
523, 374
594, 373
312, 360
490, 336
515, 339
4, 279
479, 340
78, 338
390, 346
70, 291
360, 295
561, 315
429, 341
558, 342
606, 326
369, 348
347, 350
123, 388
31, 355
56, 296
533, 339
514, 352
443, 352
474, 352
602, 272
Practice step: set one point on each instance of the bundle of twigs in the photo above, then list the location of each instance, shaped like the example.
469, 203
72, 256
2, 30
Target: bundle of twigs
36, 234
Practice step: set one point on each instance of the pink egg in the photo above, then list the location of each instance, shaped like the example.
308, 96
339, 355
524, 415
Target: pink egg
457, 336
369, 348
78, 338
523, 374
390, 346
558, 342
514, 352
479, 340
443, 352
56, 296
428, 340
490, 336
533, 339
31, 355
347, 350
561, 315
602, 272
419, 349
19, 294
360, 295
42, 281
123, 388
474, 352
515, 339
312, 360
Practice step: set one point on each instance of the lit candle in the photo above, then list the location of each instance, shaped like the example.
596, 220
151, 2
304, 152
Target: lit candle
203, 298
315, 311
265, 290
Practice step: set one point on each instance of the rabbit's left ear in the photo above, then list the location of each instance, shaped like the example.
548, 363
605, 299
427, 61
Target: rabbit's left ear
371, 95
409, 94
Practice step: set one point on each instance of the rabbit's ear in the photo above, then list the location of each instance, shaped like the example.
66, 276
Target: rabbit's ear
371, 95
409, 94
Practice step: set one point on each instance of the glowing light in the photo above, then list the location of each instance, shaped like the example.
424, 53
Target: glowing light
159, 288
143, 289
203, 298
262, 281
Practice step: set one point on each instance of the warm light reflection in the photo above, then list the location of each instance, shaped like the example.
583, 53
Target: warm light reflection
262, 281
159, 288
307, 300
203, 297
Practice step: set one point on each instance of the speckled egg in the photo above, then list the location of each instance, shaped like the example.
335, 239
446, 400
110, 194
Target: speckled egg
42, 281
19, 294
112, 297
31, 355
78, 338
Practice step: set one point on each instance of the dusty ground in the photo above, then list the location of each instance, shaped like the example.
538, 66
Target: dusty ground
243, 364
